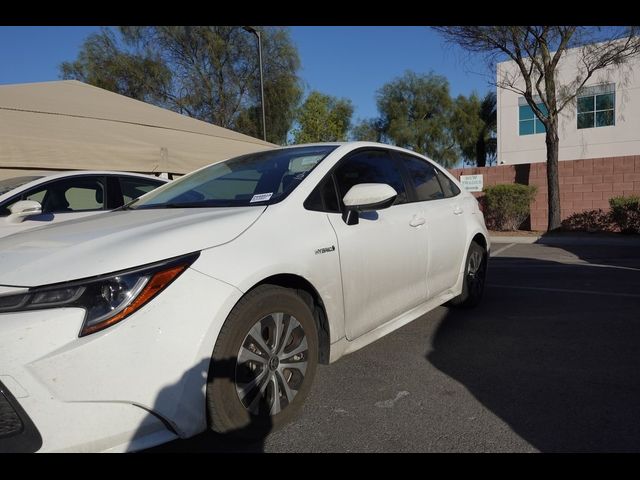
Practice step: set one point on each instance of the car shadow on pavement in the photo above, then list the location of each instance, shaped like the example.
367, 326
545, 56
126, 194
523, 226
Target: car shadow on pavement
561, 369
611, 249
248, 439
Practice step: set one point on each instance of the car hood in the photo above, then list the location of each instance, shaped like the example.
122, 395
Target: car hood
116, 241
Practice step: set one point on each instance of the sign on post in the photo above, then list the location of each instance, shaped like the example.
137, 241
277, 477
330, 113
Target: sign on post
471, 183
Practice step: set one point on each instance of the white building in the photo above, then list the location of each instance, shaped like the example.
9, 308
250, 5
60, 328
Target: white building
603, 123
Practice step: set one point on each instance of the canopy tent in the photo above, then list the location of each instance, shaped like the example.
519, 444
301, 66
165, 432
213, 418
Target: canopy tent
69, 125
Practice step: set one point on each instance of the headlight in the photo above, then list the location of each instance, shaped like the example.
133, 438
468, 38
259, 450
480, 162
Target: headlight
107, 299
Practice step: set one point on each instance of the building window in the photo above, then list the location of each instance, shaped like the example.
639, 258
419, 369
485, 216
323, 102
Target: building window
597, 107
529, 123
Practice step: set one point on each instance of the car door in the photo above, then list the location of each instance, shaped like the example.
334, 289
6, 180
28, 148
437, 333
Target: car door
444, 222
383, 258
64, 199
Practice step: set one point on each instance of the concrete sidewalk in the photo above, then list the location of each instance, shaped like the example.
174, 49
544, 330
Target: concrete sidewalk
571, 238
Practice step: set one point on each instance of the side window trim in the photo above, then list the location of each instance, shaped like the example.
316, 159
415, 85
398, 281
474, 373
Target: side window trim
412, 194
114, 191
105, 192
336, 192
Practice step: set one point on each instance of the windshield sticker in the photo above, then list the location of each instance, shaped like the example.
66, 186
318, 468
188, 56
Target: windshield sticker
262, 197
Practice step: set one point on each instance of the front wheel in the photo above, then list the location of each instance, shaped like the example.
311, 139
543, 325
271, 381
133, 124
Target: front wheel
474, 278
263, 363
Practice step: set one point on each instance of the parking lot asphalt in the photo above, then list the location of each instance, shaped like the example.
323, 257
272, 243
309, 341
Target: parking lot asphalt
550, 361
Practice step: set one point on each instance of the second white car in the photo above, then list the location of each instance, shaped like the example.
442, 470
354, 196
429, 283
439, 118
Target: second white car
32, 201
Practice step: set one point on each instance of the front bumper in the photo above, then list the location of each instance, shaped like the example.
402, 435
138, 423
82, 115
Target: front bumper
17, 431
136, 384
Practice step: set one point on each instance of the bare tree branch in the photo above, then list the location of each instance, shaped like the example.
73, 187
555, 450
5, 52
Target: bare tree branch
538, 52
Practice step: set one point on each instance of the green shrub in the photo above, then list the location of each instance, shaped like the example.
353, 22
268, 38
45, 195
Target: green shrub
589, 221
507, 206
625, 212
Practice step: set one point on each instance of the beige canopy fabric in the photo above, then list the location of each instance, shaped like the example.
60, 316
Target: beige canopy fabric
69, 125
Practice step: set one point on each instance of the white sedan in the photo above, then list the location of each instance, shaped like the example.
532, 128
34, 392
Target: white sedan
208, 302
32, 201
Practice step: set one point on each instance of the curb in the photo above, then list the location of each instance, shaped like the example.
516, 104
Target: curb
506, 239
631, 241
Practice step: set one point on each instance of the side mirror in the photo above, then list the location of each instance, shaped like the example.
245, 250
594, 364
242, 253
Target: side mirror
23, 209
366, 197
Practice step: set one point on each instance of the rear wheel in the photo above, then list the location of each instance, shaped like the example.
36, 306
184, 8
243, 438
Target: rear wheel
474, 278
263, 363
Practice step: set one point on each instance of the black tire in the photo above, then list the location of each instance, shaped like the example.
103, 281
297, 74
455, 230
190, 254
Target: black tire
473, 283
227, 414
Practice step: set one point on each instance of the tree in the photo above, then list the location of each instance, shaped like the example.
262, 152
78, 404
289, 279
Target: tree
323, 118
207, 72
102, 62
415, 113
368, 130
538, 53
474, 127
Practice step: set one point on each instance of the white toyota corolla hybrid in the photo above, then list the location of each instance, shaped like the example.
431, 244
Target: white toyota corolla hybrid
208, 302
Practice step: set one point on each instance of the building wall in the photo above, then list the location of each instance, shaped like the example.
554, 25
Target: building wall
584, 184
621, 139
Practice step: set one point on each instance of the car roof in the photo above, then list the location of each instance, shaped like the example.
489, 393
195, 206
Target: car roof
73, 173
360, 143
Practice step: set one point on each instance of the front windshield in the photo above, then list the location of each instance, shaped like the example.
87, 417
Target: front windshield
254, 179
9, 184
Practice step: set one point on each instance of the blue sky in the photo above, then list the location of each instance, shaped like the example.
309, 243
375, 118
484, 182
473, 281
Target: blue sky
351, 62
354, 62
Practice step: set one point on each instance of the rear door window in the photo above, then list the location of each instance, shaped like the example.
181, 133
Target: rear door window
133, 187
450, 189
423, 177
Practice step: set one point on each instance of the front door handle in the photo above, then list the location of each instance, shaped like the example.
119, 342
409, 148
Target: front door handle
458, 210
416, 222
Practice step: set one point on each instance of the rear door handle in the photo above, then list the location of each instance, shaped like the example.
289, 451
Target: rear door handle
458, 211
416, 222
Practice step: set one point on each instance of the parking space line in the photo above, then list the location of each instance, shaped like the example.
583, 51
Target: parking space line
564, 290
500, 250
600, 265
559, 263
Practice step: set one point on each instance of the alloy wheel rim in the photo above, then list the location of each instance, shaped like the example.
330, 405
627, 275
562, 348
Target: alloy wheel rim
271, 364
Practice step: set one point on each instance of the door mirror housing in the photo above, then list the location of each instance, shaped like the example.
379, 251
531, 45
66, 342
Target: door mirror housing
23, 209
366, 197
